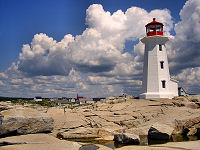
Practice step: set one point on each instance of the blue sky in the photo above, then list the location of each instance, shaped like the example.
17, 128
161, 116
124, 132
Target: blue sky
63, 47
21, 19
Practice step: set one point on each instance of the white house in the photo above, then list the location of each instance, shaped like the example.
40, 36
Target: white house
182, 92
38, 99
72, 100
85, 101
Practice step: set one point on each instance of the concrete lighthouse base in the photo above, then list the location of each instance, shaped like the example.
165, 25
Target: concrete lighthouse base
173, 91
156, 95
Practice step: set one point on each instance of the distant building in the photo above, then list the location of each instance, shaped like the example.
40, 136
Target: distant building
72, 100
84, 100
60, 102
182, 92
53, 99
38, 99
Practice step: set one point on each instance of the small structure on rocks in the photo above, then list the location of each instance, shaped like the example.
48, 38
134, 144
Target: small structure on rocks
38, 99
182, 92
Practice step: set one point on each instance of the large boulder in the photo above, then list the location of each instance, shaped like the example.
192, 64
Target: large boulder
188, 126
25, 121
160, 132
127, 138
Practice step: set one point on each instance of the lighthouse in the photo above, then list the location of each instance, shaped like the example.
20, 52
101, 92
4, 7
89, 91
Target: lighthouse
156, 77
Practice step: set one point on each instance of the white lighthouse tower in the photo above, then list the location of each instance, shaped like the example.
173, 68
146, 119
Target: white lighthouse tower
156, 77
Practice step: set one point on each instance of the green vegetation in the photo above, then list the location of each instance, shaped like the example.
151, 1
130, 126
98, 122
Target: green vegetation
44, 102
98, 99
14, 98
20, 101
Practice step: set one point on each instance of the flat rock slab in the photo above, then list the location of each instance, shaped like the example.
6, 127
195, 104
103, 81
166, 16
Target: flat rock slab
38, 142
67, 119
94, 147
89, 147
25, 121
85, 133
190, 145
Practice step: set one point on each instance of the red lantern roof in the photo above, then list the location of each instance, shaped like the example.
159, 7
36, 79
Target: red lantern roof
154, 22
154, 28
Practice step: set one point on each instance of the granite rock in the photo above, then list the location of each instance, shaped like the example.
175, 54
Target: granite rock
25, 121
160, 132
127, 138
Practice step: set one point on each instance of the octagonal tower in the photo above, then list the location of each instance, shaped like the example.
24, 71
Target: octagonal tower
156, 77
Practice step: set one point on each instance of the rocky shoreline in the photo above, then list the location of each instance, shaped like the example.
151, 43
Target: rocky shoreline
121, 119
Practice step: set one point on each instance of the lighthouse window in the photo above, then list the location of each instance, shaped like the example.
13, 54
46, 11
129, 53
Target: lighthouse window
160, 47
152, 28
158, 27
147, 29
163, 84
162, 64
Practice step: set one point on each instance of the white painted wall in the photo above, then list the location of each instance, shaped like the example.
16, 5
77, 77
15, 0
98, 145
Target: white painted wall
152, 72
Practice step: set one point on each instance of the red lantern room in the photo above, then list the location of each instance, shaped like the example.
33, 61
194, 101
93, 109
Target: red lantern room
154, 28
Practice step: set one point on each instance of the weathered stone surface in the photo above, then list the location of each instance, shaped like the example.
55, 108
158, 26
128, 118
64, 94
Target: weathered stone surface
160, 132
94, 147
126, 138
130, 115
187, 126
85, 133
194, 98
38, 142
117, 115
66, 119
5, 106
190, 145
143, 130
192, 101
191, 105
89, 147
25, 121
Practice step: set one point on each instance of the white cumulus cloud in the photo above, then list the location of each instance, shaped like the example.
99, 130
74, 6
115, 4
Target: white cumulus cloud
186, 43
95, 62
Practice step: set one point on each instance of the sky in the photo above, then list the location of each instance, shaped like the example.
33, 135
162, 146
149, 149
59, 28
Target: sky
55, 48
